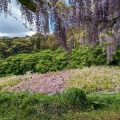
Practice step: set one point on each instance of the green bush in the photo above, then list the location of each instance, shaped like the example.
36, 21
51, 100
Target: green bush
52, 61
87, 56
99, 55
116, 58
42, 62
76, 58
48, 60
15, 62
29, 62
76, 97
11, 65
45, 62
60, 59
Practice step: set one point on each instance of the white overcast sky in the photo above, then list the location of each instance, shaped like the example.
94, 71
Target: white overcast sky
10, 26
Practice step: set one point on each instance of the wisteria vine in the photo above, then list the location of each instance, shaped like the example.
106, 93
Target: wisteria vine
92, 15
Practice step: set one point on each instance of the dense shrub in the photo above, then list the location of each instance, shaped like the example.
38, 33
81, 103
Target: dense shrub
99, 55
79, 57
48, 60
42, 62
52, 61
29, 62
116, 58
60, 60
76, 97
16, 64
45, 63
87, 56
11, 65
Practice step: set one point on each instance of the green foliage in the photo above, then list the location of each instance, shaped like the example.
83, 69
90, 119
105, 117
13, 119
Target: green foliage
99, 55
48, 60
45, 63
11, 65
18, 45
49, 42
78, 58
60, 60
15, 46
52, 61
25, 106
29, 62
102, 100
42, 62
87, 56
4, 46
76, 97
116, 58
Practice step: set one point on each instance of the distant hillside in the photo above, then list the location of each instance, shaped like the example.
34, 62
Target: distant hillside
5, 37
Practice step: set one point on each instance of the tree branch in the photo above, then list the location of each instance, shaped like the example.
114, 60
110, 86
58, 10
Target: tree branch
30, 4
109, 23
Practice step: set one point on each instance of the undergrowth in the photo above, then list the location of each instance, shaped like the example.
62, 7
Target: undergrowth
71, 105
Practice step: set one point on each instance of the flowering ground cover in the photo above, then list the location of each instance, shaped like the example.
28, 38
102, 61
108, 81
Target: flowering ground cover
96, 79
91, 79
48, 83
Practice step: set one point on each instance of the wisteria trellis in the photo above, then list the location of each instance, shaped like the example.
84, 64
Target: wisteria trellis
92, 15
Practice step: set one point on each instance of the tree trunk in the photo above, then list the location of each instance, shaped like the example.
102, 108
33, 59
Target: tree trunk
111, 46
